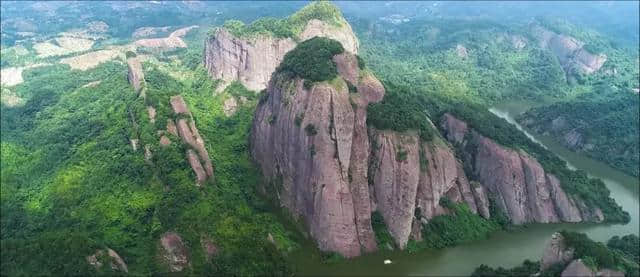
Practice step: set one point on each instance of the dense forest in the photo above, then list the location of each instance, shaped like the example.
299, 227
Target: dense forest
73, 182
486, 62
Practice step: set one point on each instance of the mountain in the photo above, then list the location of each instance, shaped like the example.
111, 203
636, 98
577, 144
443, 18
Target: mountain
250, 53
602, 124
328, 167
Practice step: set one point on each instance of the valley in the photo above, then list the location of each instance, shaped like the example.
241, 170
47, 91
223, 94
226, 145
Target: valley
210, 138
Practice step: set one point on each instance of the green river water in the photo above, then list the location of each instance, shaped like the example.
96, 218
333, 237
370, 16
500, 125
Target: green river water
506, 249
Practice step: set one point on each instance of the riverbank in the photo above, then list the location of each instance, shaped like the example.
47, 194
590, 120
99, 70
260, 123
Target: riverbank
506, 249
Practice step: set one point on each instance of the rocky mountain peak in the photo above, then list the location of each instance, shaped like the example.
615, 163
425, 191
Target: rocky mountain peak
251, 53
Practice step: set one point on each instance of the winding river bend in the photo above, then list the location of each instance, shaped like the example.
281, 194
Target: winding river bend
506, 249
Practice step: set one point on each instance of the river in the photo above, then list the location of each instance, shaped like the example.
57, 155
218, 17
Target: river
506, 249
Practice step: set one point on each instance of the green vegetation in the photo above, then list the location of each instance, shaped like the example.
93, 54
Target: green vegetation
310, 129
298, 119
383, 237
629, 245
407, 107
399, 112
312, 60
290, 27
528, 268
71, 182
401, 155
585, 247
606, 119
595, 255
460, 226
422, 56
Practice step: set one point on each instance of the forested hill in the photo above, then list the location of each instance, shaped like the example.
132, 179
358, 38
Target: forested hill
602, 124
488, 61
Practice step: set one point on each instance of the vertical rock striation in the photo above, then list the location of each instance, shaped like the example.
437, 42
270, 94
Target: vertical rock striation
303, 139
135, 74
251, 61
569, 51
517, 181
185, 127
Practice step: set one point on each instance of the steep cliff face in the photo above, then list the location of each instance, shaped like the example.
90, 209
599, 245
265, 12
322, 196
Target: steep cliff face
410, 175
332, 171
555, 252
569, 51
252, 60
303, 140
328, 168
520, 186
135, 74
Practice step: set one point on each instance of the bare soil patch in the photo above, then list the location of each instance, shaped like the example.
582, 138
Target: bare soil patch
64, 45
12, 76
174, 40
10, 99
91, 59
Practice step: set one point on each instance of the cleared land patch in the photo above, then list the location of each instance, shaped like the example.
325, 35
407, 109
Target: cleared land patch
174, 40
63, 46
91, 59
12, 76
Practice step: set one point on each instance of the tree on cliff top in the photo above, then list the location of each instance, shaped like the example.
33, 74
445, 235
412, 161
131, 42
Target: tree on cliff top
311, 60
291, 26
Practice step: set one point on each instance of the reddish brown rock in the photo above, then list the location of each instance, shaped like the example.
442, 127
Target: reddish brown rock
555, 252
314, 167
164, 140
209, 248
522, 189
151, 112
577, 269
569, 51
252, 60
188, 132
135, 75
171, 127
173, 253
115, 261
395, 181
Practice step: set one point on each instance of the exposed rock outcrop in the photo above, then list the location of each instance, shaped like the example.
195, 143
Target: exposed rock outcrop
577, 269
410, 175
609, 273
555, 252
252, 60
197, 155
115, 261
229, 106
569, 51
135, 75
304, 139
570, 136
517, 181
173, 253
329, 169
461, 51
209, 248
